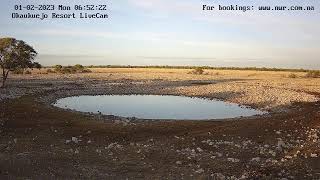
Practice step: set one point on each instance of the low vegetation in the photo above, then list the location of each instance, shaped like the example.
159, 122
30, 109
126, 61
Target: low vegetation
313, 74
292, 75
21, 71
198, 71
204, 67
78, 68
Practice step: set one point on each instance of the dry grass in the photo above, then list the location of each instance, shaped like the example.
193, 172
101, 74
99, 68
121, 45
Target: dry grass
267, 90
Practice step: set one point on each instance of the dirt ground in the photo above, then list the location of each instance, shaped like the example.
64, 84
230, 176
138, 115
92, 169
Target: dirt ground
39, 141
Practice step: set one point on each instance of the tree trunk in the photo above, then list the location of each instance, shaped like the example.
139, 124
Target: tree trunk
4, 77
3, 74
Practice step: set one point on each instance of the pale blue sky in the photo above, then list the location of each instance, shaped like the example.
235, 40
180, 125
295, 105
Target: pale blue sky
173, 32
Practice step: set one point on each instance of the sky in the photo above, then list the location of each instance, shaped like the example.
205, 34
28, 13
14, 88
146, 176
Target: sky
173, 32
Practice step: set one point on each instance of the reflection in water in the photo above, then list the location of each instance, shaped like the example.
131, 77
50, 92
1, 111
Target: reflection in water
155, 107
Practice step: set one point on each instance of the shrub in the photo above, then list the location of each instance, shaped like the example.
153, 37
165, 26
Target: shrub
27, 72
292, 75
78, 68
86, 71
252, 75
198, 70
50, 71
68, 70
57, 68
313, 74
18, 71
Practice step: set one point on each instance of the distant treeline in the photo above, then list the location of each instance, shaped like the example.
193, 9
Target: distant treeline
203, 67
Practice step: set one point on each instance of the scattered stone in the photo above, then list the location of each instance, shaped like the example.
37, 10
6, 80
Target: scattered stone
281, 145
313, 155
288, 157
75, 140
218, 176
219, 154
76, 151
199, 149
234, 160
256, 159
200, 171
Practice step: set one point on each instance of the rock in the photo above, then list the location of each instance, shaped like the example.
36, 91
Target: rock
111, 145
256, 159
234, 160
199, 149
281, 145
313, 155
288, 157
200, 171
218, 176
75, 140
219, 154
178, 162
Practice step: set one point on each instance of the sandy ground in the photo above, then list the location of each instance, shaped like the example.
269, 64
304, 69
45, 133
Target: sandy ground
40, 141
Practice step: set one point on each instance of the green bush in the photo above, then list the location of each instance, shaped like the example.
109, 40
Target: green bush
57, 68
78, 68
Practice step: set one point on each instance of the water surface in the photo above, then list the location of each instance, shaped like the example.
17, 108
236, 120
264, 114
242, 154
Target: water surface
156, 107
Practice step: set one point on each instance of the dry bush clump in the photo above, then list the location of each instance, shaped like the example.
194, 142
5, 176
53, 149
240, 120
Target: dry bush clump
197, 71
292, 75
313, 74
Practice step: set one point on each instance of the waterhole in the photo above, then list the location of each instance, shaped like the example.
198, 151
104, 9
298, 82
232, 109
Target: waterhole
156, 107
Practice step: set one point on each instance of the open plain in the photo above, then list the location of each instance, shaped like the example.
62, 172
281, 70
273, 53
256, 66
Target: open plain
40, 141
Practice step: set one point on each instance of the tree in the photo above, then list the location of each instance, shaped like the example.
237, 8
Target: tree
15, 54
